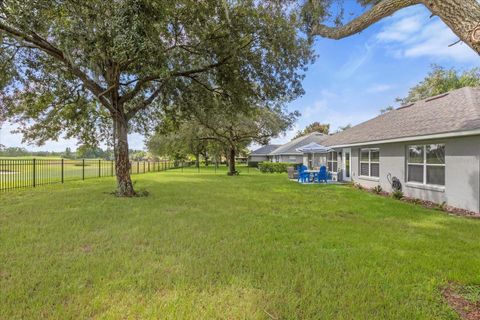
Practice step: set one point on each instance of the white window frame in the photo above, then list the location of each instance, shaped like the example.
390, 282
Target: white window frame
369, 162
424, 165
331, 160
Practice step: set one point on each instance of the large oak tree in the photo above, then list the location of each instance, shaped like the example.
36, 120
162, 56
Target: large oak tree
95, 69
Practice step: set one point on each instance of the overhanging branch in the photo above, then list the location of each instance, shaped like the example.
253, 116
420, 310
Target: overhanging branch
377, 12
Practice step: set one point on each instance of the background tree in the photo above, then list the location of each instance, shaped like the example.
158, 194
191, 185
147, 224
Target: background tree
440, 80
68, 153
236, 130
461, 16
234, 121
387, 109
348, 126
180, 141
86, 151
102, 68
313, 127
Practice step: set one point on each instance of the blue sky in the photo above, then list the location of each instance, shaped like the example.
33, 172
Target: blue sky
354, 78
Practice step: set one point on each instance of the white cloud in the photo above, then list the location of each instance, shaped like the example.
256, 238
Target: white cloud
401, 30
414, 34
356, 61
379, 88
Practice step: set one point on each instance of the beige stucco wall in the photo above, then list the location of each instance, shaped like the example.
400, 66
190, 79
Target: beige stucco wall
462, 172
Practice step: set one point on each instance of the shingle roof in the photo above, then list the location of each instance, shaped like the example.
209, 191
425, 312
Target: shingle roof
458, 110
291, 147
265, 149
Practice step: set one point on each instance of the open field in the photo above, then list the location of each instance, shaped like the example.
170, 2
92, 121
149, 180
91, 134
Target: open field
25, 172
205, 246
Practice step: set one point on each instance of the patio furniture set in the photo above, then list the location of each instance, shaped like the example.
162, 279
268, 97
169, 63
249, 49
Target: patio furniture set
316, 176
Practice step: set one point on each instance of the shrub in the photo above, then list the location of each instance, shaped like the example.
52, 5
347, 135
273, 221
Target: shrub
271, 167
377, 189
397, 194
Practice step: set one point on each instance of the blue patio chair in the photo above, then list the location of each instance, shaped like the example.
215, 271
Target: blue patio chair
322, 175
302, 175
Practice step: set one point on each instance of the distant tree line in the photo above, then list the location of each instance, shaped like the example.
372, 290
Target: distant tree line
82, 152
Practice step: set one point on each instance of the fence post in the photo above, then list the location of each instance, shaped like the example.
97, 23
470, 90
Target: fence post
63, 170
148, 166
143, 166
99, 168
111, 167
34, 172
83, 169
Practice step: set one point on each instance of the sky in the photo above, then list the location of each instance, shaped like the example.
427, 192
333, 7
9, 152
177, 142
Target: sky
353, 78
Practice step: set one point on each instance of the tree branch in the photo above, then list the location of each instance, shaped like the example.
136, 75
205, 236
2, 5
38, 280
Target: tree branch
377, 12
45, 46
145, 103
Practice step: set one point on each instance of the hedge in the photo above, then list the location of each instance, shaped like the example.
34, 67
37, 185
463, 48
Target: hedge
270, 167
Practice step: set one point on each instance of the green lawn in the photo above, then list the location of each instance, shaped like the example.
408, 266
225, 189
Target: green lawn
205, 246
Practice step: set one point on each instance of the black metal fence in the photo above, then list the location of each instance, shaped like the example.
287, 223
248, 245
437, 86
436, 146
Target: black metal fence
24, 173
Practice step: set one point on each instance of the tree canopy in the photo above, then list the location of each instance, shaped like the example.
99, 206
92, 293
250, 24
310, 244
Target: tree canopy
96, 70
219, 121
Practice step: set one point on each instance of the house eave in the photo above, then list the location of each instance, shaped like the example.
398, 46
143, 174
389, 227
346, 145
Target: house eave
413, 138
287, 154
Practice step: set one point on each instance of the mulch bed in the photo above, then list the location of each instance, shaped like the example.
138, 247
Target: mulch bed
466, 309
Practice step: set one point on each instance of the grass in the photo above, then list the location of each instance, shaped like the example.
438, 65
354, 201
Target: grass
205, 246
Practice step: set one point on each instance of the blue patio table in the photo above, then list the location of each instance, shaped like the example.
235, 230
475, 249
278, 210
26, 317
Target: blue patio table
311, 172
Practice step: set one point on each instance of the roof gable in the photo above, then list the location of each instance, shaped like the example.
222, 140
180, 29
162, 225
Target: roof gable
292, 146
265, 149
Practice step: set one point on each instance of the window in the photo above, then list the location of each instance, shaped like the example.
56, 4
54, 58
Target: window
426, 164
292, 159
370, 163
332, 161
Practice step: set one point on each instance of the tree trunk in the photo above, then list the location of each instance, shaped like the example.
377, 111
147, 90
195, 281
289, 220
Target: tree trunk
122, 161
197, 160
231, 163
462, 16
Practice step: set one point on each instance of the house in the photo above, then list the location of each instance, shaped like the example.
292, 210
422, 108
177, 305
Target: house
432, 146
263, 153
288, 152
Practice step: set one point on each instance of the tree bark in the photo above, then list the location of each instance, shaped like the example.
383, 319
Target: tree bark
461, 16
231, 163
122, 161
